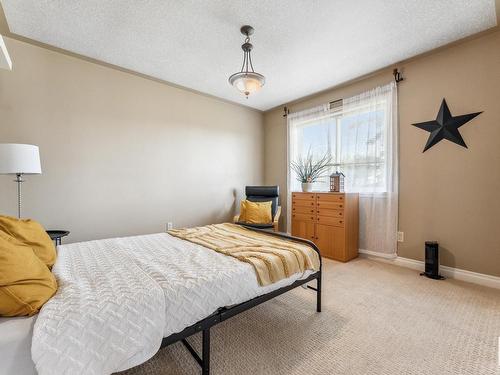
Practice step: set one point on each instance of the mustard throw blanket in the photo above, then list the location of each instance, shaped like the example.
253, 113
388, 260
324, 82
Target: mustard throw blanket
273, 258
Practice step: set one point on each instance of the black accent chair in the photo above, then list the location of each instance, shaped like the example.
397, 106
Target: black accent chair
264, 194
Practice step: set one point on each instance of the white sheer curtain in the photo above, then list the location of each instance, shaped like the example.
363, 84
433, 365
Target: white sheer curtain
362, 139
373, 139
306, 130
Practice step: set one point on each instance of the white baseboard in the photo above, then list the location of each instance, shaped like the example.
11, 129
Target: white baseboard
376, 254
449, 272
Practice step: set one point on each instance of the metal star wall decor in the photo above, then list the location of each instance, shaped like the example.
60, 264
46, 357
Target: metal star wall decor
445, 126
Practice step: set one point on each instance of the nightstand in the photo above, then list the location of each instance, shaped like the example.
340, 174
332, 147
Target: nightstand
56, 235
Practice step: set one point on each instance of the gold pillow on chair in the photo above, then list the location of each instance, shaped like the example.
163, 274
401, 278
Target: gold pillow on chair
256, 212
25, 281
32, 234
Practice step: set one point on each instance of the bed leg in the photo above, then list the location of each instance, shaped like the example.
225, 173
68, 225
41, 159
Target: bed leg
318, 294
205, 368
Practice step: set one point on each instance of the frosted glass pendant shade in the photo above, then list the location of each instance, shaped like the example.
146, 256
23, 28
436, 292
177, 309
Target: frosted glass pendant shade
247, 82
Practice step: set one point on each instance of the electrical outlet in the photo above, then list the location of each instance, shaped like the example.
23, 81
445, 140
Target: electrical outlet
170, 225
401, 236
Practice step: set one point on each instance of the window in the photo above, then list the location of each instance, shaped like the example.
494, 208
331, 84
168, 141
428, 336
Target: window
361, 138
355, 136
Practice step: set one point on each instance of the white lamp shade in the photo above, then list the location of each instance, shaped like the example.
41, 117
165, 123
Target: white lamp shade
18, 158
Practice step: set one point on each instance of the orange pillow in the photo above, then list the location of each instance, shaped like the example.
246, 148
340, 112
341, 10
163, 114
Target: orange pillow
32, 234
256, 212
25, 281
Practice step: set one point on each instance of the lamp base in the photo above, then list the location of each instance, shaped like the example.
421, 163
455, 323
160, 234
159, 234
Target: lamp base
19, 180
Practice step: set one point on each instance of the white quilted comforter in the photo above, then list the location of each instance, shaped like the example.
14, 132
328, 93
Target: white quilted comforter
119, 297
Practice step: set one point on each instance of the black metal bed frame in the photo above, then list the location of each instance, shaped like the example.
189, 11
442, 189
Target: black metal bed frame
225, 313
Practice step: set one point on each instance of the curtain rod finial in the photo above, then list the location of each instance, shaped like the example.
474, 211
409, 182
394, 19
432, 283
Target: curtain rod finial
398, 76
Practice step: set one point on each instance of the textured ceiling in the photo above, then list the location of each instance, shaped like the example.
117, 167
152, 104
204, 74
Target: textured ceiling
302, 47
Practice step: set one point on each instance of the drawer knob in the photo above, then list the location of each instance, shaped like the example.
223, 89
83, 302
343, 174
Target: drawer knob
312, 218
340, 221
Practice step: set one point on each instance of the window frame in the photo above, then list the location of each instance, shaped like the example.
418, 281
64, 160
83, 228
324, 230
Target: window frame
337, 115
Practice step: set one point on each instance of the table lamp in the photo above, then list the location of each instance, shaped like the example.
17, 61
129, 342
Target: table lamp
19, 159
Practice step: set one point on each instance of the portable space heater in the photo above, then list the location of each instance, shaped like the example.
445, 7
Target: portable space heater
432, 260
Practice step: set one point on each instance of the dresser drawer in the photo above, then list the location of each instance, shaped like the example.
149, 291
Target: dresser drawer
330, 197
303, 196
303, 217
309, 209
328, 220
303, 203
331, 213
329, 205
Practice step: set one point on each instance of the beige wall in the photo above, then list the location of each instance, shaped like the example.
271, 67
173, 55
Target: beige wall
121, 154
449, 193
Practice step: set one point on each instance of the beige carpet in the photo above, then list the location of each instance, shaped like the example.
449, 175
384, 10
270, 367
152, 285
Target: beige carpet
376, 319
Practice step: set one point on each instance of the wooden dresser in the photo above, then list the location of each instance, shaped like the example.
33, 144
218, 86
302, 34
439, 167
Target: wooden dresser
330, 220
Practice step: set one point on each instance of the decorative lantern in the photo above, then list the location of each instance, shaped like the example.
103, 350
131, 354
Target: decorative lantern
337, 182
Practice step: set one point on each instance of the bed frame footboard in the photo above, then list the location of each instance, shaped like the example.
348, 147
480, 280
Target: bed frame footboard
225, 313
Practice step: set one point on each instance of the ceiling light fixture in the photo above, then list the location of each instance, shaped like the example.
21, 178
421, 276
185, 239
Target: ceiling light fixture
247, 81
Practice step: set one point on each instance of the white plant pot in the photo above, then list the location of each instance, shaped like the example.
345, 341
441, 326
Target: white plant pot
307, 187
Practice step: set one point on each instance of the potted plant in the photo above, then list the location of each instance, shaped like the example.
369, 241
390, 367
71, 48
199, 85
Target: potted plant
308, 171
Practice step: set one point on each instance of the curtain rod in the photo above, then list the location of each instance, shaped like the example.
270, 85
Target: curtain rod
398, 77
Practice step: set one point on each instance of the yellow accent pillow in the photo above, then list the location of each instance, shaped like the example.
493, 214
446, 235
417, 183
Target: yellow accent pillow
256, 212
243, 211
32, 234
25, 281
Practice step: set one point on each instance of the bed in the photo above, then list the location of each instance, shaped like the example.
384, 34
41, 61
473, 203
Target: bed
121, 299
15, 344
